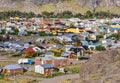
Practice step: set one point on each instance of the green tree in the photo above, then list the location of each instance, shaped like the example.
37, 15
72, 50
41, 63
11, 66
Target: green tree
3, 31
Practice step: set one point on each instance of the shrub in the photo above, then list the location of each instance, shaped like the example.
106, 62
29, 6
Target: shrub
100, 48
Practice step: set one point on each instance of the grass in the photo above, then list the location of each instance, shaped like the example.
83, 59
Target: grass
5, 81
17, 80
48, 7
73, 68
74, 6
66, 81
112, 9
3, 63
32, 74
42, 76
93, 76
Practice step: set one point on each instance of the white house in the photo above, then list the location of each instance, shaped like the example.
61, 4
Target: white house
44, 68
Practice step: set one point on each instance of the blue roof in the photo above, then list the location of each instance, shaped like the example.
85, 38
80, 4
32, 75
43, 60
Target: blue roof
112, 28
12, 66
47, 65
49, 54
65, 54
84, 43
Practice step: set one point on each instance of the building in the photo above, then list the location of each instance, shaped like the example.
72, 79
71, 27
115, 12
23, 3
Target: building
13, 69
67, 55
44, 69
56, 61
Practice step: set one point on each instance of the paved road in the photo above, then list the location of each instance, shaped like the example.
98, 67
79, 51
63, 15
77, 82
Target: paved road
52, 80
31, 39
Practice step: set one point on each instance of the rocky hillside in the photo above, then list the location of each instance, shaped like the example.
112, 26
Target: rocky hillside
75, 6
103, 67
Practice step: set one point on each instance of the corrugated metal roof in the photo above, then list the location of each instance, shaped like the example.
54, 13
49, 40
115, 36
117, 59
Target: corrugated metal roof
12, 66
47, 65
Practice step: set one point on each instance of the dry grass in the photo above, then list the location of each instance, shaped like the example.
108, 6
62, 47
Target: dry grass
48, 7
74, 66
5, 81
112, 9
74, 6
32, 74
17, 80
5, 61
65, 81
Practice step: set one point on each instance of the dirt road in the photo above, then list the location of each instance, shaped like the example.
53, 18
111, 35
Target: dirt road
52, 80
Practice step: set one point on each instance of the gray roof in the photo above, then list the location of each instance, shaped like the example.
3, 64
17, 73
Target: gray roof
47, 65
12, 66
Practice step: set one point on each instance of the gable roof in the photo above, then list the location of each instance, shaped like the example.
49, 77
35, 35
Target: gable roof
12, 66
47, 65
30, 49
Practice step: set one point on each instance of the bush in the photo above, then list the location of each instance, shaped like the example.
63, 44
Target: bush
99, 36
58, 54
2, 75
109, 45
38, 53
100, 48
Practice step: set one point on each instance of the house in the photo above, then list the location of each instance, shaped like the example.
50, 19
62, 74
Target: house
13, 69
67, 47
92, 44
28, 51
78, 50
56, 61
44, 69
43, 60
67, 55
41, 48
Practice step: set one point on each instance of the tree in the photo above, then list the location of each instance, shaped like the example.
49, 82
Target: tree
89, 14
3, 31
79, 15
65, 14
47, 14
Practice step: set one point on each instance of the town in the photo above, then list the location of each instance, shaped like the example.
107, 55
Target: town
51, 47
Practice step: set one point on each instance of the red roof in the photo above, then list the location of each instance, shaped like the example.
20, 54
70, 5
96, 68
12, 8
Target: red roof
30, 49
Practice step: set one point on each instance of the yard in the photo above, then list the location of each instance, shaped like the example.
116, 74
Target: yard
74, 68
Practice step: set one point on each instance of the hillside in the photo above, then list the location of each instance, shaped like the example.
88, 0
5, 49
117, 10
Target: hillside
103, 67
76, 6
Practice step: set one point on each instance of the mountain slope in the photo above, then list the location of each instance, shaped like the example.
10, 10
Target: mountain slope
103, 67
75, 6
